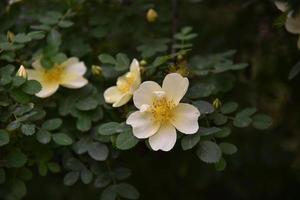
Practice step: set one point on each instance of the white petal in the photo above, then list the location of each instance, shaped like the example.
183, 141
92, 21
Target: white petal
164, 139
292, 24
74, 82
186, 118
34, 75
143, 125
123, 100
37, 64
282, 6
112, 94
135, 66
70, 61
175, 86
145, 93
47, 90
76, 68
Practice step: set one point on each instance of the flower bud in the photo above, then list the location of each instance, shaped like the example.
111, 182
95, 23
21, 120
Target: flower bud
143, 62
10, 36
22, 72
217, 103
152, 15
96, 70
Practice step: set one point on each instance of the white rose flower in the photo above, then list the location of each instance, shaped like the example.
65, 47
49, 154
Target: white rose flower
161, 113
68, 74
292, 23
126, 85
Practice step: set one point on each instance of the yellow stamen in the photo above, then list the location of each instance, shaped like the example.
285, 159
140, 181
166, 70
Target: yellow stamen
162, 109
53, 75
125, 85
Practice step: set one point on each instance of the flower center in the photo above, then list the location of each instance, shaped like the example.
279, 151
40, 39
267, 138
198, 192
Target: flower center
125, 85
162, 109
53, 75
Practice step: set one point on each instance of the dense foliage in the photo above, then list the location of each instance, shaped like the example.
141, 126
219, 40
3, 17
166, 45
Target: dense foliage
75, 135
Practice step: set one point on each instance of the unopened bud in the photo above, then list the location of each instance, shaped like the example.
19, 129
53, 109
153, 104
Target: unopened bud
96, 70
143, 62
22, 72
217, 103
152, 15
10, 36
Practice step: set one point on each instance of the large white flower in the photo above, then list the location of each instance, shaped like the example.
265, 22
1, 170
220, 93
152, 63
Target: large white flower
126, 85
67, 74
161, 113
292, 23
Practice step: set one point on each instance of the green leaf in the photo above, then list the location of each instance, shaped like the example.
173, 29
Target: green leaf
208, 131
62, 139
209, 152
36, 35
16, 159
43, 169
242, 121
122, 61
189, 141
88, 103
71, 178
221, 165
121, 173
261, 121
18, 189
43, 27
83, 145
108, 128
229, 107
109, 193
83, 123
294, 71
18, 81
31, 87
19, 96
43, 136
86, 176
53, 167
127, 191
126, 141
98, 151
107, 59
228, 148
219, 119
22, 38
54, 38
52, 124
102, 180
28, 129
204, 107
247, 112
65, 23
223, 133
4, 138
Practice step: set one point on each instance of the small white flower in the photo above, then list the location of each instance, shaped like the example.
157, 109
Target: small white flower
292, 23
161, 113
67, 74
126, 85
282, 5
22, 72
